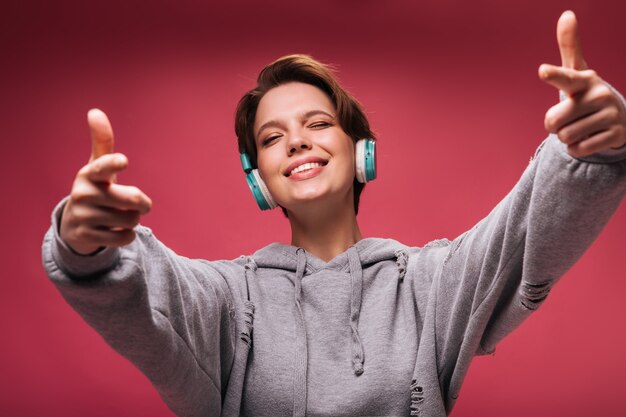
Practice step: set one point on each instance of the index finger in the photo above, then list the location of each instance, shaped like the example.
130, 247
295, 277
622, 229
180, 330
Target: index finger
569, 42
570, 81
101, 133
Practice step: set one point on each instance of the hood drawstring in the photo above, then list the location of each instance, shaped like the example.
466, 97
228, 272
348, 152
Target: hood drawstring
356, 275
301, 353
246, 334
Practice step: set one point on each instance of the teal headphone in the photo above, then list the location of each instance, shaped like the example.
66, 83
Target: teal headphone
365, 172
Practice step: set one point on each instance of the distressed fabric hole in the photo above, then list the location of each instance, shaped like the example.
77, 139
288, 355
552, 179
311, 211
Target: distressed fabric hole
417, 397
402, 258
246, 338
248, 323
534, 294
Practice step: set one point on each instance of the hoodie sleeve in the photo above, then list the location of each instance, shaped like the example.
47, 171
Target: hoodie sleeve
498, 273
169, 315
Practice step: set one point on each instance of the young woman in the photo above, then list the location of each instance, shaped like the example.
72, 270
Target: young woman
334, 324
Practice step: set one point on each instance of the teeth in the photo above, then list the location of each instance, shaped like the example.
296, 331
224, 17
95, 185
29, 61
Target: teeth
305, 167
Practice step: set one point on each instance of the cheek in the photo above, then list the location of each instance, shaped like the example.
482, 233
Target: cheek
339, 144
349, 152
266, 163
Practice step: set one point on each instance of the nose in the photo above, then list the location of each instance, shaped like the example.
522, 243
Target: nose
298, 142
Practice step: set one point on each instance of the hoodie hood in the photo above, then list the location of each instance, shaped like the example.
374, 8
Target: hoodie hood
370, 251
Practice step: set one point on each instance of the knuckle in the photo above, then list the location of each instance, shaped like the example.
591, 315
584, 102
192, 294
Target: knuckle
84, 171
604, 89
81, 194
147, 206
81, 214
135, 218
82, 233
134, 190
602, 92
619, 132
126, 236
589, 74
597, 101
550, 122
613, 114
130, 219
579, 150
78, 197
97, 166
135, 196
573, 151
566, 135
134, 200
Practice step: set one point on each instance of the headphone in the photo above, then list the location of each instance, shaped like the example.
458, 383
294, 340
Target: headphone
365, 172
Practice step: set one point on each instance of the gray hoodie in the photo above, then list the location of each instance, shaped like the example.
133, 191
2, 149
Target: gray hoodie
381, 330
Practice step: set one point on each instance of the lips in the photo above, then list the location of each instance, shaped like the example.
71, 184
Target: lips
304, 164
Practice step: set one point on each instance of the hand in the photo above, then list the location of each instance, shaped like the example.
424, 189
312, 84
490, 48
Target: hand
100, 212
592, 118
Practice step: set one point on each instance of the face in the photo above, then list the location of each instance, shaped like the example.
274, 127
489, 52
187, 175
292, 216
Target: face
303, 154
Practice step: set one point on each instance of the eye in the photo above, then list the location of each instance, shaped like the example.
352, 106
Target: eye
319, 125
269, 140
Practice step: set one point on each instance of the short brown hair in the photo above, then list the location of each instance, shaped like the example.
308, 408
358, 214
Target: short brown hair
304, 69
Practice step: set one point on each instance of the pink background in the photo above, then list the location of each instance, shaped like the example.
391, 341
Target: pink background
450, 88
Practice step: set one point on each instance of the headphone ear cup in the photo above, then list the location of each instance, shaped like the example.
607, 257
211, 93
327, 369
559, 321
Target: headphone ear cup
365, 160
260, 191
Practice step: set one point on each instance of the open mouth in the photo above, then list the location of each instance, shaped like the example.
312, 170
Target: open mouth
304, 167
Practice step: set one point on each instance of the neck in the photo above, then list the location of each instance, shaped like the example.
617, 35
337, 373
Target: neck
325, 232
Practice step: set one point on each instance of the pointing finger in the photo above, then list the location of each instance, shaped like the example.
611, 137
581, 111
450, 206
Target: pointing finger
118, 197
105, 168
101, 133
568, 80
569, 42
128, 197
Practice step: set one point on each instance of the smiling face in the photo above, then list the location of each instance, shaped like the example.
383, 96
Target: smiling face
303, 154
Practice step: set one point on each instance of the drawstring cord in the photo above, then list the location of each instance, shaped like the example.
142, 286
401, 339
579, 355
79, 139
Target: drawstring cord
356, 277
358, 356
301, 353
246, 333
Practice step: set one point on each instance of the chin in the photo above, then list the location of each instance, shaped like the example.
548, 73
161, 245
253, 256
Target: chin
305, 198
315, 196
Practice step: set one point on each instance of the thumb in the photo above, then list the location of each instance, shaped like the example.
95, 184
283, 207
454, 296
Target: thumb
101, 133
569, 43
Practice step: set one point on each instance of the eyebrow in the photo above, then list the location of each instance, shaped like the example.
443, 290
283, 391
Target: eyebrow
303, 116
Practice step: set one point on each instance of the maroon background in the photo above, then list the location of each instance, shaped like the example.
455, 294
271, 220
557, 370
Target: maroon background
450, 88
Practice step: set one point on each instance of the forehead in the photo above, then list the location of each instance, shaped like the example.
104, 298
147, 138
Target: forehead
291, 100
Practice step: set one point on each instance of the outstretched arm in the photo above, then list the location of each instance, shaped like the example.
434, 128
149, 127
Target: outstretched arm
169, 315
494, 276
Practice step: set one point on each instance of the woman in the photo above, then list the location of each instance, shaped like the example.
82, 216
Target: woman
334, 324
